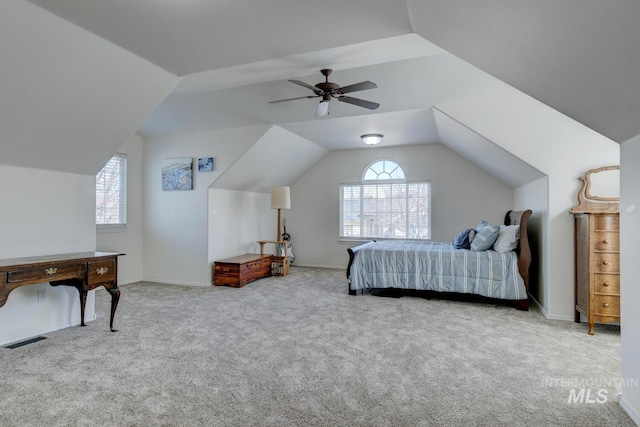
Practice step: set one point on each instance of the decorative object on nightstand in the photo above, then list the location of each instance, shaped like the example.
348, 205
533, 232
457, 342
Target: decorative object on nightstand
286, 237
597, 249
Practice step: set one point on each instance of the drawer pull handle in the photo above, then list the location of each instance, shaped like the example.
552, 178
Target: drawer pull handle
605, 242
51, 271
606, 304
102, 271
605, 284
605, 262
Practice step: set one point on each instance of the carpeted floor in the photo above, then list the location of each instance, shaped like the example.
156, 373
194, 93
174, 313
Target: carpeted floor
299, 351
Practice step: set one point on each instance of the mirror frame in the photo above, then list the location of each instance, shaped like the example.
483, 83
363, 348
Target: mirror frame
590, 203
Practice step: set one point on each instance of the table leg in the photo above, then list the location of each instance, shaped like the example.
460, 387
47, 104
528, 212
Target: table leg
115, 297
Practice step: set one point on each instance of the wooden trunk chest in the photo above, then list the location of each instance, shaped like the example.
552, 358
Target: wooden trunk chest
240, 270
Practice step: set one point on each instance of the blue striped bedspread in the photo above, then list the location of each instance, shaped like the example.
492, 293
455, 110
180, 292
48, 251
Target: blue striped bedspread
438, 267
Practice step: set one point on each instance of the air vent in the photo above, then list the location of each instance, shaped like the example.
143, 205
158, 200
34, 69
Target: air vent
25, 342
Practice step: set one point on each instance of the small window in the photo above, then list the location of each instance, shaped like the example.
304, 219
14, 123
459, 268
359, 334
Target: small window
111, 192
385, 205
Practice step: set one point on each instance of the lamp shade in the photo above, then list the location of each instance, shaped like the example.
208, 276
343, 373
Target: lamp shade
280, 198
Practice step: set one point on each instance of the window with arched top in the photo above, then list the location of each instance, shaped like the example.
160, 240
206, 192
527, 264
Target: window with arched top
385, 205
383, 170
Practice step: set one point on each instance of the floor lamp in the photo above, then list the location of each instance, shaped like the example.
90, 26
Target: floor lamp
280, 199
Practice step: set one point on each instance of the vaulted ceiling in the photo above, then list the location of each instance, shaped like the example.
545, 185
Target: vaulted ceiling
229, 58
580, 57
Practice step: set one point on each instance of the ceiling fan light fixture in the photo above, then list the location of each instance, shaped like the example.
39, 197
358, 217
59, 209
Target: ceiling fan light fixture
323, 109
328, 90
371, 138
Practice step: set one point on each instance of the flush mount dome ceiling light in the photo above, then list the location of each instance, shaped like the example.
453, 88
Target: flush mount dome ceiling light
371, 138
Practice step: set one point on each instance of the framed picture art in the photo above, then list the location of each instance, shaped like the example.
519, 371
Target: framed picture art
177, 174
205, 164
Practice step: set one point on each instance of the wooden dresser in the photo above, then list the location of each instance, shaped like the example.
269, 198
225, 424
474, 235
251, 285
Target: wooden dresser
597, 257
597, 268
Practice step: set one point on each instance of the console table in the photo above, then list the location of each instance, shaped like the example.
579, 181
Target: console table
84, 271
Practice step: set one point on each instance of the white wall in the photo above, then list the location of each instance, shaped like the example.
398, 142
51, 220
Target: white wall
128, 240
629, 288
69, 97
535, 196
237, 219
176, 222
559, 147
462, 194
44, 213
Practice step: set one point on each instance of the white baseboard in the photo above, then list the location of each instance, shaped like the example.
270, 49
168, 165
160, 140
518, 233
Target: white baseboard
634, 413
549, 316
333, 267
175, 282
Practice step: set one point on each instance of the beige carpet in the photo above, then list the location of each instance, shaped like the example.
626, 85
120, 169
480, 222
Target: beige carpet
299, 351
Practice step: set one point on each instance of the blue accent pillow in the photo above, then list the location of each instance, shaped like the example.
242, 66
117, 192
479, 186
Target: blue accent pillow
486, 236
463, 239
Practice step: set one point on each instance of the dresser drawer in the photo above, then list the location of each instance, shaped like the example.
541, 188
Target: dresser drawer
46, 274
606, 262
102, 271
606, 284
607, 306
608, 241
606, 222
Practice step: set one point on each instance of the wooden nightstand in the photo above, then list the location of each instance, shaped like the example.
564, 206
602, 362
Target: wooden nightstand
285, 259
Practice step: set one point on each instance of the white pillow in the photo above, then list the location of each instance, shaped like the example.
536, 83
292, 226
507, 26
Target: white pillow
508, 237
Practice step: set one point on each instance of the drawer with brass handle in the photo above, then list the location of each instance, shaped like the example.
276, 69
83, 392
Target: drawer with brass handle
606, 284
608, 306
606, 241
102, 271
606, 262
46, 274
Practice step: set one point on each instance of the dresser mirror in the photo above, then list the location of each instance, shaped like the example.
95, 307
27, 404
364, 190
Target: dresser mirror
600, 190
603, 183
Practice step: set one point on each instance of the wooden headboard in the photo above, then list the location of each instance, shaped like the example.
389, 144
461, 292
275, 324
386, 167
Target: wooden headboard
524, 250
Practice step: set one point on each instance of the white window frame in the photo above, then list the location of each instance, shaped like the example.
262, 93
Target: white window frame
103, 188
368, 233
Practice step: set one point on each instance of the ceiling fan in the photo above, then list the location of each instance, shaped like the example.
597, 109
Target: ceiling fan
327, 90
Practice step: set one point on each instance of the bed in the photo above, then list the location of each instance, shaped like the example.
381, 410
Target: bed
441, 267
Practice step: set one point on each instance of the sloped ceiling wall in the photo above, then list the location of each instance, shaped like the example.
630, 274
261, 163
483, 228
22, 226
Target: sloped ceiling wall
279, 157
580, 57
484, 153
70, 98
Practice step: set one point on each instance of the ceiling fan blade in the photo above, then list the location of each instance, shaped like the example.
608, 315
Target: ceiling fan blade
358, 86
293, 99
307, 85
323, 109
359, 102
